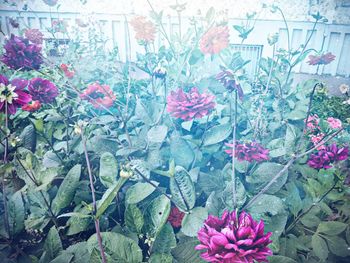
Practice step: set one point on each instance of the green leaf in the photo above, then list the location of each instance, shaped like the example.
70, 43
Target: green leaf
77, 224
65, 193
138, 192
185, 252
264, 173
118, 248
196, 56
63, 258
109, 196
338, 246
157, 134
217, 134
28, 138
134, 218
165, 240
50, 160
291, 136
16, 213
331, 228
293, 198
280, 259
183, 157
108, 169
157, 214
192, 222
182, 189
267, 203
160, 258
53, 245
319, 247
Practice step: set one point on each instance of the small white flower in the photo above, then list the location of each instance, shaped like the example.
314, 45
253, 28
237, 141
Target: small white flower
344, 88
346, 102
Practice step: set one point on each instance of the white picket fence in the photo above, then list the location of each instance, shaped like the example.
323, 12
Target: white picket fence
115, 28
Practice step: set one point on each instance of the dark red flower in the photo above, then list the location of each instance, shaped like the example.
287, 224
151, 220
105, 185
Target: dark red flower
34, 36
234, 240
328, 155
13, 22
42, 90
12, 94
321, 59
228, 80
175, 217
22, 55
191, 105
34, 105
100, 96
249, 151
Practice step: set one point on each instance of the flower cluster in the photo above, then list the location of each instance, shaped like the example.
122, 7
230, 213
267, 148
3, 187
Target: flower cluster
191, 105
42, 90
249, 151
232, 239
21, 54
68, 73
145, 30
321, 59
227, 79
312, 123
334, 123
214, 40
34, 36
12, 94
100, 96
328, 155
175, 217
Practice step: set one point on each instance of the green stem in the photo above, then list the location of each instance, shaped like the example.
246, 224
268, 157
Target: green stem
234, 128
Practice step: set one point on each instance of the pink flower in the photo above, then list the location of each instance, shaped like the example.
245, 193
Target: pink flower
334, 123
175, 217
42, 90
68, 73
234, 240
325, 157
215, 40
249, 151
22, 55
145, 31
100, 96
315, 139
12, 94
321, 59
191, 105
34, 36
312, 123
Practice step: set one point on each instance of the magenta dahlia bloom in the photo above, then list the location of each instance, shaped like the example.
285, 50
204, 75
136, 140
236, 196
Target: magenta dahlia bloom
191, 105
328, 155
249, 151
42, 90
21, 54
228, 80
12, 94
234, 240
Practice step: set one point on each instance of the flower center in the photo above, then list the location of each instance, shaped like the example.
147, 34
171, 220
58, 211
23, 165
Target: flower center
7, 93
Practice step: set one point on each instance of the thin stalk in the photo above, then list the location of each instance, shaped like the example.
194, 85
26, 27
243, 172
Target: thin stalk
94, 204
234, 131
6, 218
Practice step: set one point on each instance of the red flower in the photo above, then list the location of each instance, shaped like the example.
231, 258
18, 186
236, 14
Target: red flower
191, 105
214, 40
42, 90
234, 240
12, 94
175, 217
34, 105
34, 36
100, 96
250, 151
321, 59
68, 73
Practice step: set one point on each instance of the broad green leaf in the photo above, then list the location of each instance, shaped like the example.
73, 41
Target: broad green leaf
157, 134
160, 258
331, 228
192, 222
319, 247
182, 189
138, 192
264, 173
118, 248
63, 258
108, 169
182, 152
50, 160
227, 195
16, 213
53, 245
28, 138
165, 240
291, 136
293, 198
156, 215
66, 191
77, 224
134, 218
185, 252
267, 203
338, 246
280, 259
217, 134
109, 196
